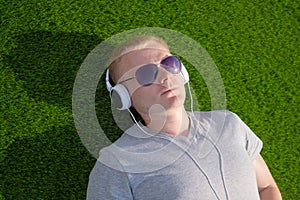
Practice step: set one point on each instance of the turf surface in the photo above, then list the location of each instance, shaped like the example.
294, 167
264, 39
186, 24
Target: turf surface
43, 43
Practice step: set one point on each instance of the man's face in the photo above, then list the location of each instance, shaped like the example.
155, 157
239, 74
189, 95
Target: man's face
167, 90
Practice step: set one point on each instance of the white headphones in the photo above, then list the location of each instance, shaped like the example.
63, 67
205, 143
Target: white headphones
120, 95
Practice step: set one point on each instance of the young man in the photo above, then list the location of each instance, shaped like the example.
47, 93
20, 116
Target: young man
174, 154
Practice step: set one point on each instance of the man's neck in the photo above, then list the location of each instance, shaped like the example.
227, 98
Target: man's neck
175, 122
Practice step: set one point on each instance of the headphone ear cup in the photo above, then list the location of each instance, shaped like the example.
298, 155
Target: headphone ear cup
185, 74
120, 97
107, 81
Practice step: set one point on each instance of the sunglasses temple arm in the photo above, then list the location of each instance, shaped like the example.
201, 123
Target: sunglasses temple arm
126, 80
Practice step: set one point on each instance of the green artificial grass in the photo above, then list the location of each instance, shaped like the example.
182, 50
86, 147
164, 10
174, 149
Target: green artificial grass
254, 44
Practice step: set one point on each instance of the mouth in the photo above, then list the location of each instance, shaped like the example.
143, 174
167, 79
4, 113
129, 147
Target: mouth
167, 91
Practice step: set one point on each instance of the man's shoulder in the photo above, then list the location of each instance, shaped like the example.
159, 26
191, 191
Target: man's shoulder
215, 114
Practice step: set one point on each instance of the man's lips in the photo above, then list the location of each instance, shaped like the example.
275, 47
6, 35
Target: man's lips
166, 91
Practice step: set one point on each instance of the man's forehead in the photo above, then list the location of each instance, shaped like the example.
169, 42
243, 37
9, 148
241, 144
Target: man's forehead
140, 51
150, 53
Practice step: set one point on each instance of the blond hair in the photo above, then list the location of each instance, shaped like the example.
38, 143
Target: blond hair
141, 42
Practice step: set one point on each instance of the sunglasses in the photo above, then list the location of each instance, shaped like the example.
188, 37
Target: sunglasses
146, 74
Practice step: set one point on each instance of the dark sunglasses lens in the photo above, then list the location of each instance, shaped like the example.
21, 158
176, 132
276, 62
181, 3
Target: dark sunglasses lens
171, 64
146, 74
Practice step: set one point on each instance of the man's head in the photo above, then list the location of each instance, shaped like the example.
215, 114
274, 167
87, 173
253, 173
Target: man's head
149, 54
142, 42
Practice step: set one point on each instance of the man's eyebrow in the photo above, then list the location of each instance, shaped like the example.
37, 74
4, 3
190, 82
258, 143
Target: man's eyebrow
158, 61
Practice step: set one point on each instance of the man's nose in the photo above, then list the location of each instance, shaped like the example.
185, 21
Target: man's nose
162, 75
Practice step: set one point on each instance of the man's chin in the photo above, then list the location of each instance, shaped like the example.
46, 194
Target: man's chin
173, 103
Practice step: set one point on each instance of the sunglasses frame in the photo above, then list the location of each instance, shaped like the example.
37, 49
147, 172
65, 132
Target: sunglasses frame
157, 65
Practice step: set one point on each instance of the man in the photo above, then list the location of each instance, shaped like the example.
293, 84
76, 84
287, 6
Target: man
172, 153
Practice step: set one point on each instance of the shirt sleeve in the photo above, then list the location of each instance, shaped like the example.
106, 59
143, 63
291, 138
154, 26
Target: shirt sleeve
108, 183
253, 145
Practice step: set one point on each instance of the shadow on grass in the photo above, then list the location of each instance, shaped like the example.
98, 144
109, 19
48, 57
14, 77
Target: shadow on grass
53, 164
48, 62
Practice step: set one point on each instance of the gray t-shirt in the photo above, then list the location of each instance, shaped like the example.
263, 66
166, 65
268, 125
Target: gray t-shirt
213, 162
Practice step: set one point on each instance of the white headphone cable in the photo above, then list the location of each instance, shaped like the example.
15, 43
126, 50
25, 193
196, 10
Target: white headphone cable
189, 154
215, 146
